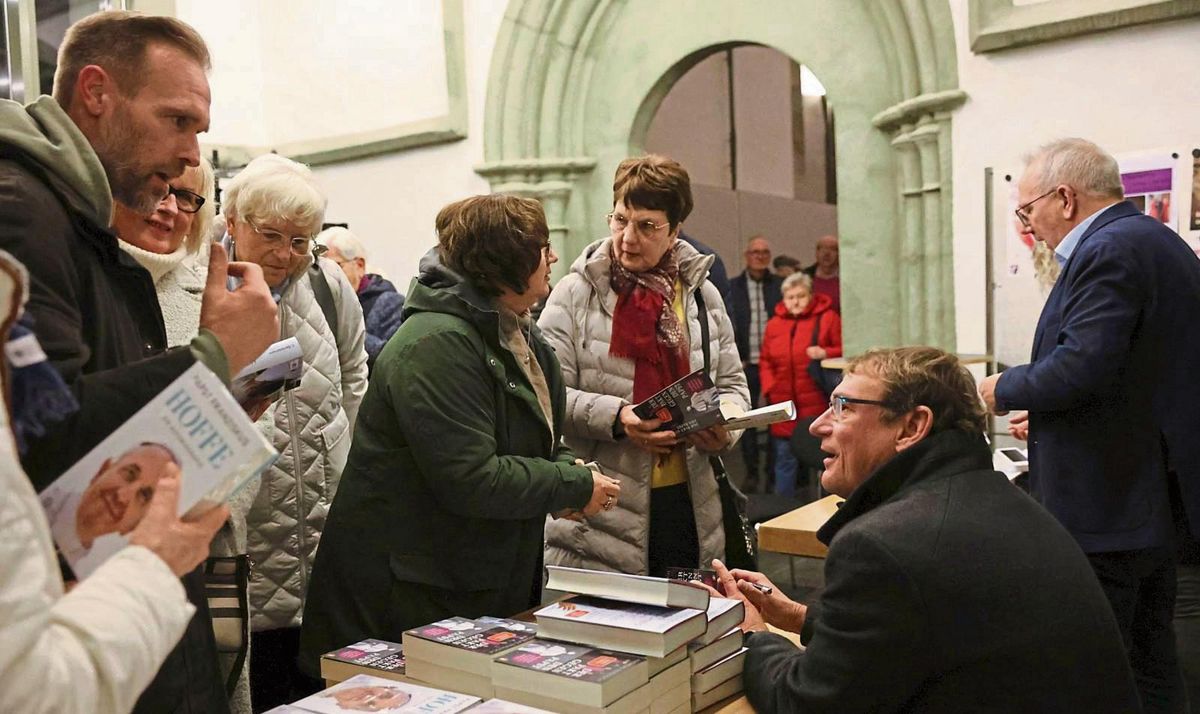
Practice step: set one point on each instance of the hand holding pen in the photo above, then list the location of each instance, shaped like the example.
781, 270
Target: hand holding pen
760, 593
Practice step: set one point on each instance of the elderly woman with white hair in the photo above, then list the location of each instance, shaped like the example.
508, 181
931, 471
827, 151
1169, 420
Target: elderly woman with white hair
273, 210
381, 302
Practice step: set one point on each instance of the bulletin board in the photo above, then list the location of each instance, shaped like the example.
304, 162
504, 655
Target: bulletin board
1162, 182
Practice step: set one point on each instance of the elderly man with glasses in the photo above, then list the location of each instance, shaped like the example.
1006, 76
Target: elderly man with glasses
752, 297
273, 209
946, 588
1112, 395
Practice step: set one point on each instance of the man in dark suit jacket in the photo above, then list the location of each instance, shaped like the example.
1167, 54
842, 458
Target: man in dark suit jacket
751, 301
947, 589
1112, 393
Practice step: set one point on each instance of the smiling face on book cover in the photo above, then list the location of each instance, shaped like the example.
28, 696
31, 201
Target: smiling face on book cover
370, 698
120, 492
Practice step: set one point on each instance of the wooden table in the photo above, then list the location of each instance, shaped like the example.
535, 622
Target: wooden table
795, 533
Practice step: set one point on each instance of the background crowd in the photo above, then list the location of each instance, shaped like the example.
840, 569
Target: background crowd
443, 445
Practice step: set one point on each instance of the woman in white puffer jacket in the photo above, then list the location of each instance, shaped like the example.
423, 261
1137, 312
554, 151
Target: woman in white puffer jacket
624, 324
273, 209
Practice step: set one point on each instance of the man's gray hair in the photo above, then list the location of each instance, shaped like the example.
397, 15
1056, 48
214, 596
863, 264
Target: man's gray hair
1080, 164
343, 241
796, 279
273, 188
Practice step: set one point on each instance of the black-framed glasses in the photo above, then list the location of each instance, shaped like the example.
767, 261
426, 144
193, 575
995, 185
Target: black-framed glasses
838, 402
644, 228
187, 201
1023, 211
299, 245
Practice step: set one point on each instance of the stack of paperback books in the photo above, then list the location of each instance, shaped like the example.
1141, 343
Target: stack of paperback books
365, 693
622, 644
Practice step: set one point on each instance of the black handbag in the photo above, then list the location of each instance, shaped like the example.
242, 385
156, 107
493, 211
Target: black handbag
741, 543
826, 379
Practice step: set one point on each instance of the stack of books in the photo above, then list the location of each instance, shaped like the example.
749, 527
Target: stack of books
621, 644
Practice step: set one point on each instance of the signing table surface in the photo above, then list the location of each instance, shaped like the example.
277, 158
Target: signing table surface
795, 533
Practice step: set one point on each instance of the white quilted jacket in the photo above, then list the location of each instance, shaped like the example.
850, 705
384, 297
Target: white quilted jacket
577, 322
312, 427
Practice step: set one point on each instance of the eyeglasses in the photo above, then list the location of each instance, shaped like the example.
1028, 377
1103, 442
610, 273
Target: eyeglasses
838, 402
297, 244
644, 229
1023, 211
187, 201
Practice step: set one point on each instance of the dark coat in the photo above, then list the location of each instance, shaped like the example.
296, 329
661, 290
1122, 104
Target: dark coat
381, 305
1112, 382
947, 589
737, 300
97, 317
453, 469
783, 364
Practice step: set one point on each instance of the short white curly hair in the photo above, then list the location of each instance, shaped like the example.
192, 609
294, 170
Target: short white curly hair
272, 187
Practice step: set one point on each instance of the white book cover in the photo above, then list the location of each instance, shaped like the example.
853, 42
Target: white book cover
278, 369
194, 423
735, 418
364, 693
611, 613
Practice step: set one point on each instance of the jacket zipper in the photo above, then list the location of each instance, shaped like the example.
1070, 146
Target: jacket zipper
297, 475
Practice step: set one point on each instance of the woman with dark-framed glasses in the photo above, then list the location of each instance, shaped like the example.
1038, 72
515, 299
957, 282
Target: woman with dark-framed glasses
625, 323
272, 209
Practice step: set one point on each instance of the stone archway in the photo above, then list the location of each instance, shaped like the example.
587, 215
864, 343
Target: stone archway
574, 84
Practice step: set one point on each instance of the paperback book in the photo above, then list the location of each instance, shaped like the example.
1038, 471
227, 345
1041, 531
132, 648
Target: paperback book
626, 627
457, 653
364, 693
627, 588
276, 370
195, 424
722, 614
715, 674
376, 657
570, 672
702, 655
693, 403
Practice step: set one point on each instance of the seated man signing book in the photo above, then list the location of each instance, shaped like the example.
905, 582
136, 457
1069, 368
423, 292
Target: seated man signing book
946, 588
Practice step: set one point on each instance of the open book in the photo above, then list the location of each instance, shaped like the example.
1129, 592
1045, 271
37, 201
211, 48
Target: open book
194, 423
693, 403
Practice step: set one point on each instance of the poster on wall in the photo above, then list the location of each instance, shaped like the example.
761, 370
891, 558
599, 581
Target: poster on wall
1149, 181
1195, 223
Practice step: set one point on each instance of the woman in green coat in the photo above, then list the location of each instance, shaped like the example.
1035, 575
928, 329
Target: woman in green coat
457, 455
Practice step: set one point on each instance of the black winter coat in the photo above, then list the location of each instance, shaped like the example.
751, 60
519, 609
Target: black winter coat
947, 589
97, 317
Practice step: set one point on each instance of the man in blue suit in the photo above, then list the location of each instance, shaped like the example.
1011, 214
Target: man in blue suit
1113, 394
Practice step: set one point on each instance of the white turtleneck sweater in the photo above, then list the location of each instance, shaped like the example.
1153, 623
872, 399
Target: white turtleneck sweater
179, 281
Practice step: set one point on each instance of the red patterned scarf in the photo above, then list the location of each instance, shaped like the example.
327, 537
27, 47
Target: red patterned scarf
645, 327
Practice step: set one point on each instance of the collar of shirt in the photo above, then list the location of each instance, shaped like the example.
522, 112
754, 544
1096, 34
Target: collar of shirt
1064, 250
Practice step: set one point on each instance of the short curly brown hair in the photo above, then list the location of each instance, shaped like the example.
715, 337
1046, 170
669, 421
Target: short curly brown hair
493, 241
925, 376
657, 183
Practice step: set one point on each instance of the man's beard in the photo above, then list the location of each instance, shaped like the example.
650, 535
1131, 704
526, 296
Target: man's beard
118, 147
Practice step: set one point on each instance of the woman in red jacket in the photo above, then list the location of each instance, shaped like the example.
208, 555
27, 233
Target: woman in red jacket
805, 328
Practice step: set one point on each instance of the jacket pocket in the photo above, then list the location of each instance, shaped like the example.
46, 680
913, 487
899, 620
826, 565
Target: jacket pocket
335, 431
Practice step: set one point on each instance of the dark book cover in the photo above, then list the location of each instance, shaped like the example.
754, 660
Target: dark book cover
377, 654
689, 405
575, 662
484, 637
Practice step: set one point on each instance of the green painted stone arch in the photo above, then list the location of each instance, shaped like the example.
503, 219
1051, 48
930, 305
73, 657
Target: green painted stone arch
574, 84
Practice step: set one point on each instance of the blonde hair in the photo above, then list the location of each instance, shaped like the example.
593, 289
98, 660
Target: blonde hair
272, 187
117, 40
203, 222
925, 376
